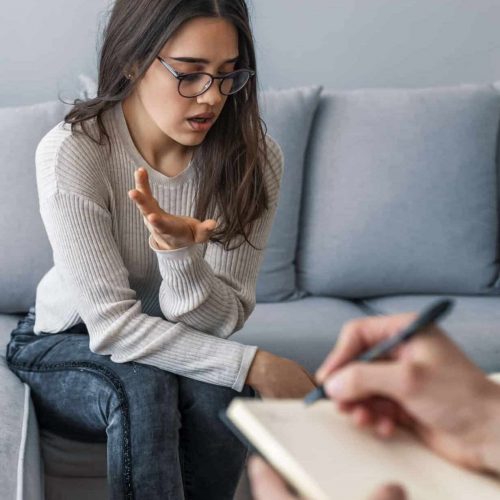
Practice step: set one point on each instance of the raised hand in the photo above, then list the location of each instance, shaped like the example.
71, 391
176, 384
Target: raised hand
168, 231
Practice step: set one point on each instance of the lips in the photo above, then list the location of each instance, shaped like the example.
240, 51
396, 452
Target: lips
200, 125
208, 116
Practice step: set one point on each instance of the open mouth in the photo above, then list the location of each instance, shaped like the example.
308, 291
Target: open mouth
200, 124
199, 120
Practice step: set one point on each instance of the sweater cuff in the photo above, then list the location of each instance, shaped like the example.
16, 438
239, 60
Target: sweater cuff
177, 253
248, 355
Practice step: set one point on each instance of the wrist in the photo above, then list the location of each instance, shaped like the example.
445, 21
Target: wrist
164, 246
160, 245
259, 368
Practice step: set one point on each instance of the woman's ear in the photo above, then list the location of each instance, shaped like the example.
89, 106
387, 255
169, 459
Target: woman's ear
130, 71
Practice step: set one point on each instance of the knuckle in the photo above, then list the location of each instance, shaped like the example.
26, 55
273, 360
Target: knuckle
352, 324
348, 328
412, 379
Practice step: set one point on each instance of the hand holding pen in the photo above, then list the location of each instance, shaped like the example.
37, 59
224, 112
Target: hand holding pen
385, 346
427, 385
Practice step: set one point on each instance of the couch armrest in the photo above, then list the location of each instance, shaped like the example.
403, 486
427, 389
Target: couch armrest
21, 466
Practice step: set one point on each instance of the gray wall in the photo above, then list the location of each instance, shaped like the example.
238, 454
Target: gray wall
339, 43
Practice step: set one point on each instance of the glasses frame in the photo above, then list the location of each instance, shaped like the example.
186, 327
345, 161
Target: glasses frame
181, 76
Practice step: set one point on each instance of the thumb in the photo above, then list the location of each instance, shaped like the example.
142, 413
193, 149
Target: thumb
389, 492
363, 380
265, 482
204, 229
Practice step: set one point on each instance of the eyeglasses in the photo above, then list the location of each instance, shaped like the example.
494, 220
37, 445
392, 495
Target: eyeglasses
195, 84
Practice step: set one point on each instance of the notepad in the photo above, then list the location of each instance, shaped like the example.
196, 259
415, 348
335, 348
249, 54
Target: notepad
323, 455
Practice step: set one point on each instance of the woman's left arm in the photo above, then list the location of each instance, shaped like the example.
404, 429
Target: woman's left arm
216, 292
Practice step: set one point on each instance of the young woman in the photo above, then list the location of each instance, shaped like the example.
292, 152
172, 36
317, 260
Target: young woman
157, 196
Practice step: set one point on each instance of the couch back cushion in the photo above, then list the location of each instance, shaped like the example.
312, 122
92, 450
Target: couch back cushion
401, 193
288, 114
25, 253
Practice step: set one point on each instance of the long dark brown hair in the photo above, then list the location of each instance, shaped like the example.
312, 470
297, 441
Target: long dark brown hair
230, 176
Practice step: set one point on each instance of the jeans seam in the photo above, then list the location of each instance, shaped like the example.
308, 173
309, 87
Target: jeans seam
186, 466
109, 376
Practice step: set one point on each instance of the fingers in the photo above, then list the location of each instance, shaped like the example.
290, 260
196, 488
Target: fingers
142, 194
141, 201
142, 182
377, 413
362, 416
167, 224
358, 381
360, 334
265, 482
389, 492
161, 221
203, 230
186, 228
147, 205
385, 427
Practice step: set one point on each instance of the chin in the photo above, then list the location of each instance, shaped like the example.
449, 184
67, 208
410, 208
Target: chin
187, 140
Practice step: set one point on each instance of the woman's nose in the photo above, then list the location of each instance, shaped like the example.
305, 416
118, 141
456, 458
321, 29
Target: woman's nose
212, 96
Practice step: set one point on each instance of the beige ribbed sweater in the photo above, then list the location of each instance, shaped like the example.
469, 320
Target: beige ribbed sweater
172, 309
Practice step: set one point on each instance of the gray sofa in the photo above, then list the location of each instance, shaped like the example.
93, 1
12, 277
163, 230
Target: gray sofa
390, 198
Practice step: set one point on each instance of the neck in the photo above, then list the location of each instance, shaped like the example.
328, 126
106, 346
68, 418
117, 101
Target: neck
160, 151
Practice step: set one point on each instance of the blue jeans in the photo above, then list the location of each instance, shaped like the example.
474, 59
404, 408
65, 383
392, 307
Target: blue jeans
164, 437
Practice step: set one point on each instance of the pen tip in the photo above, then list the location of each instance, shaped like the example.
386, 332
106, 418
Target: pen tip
314, 395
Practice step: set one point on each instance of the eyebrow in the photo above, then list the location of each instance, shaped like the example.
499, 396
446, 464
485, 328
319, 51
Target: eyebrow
199, 60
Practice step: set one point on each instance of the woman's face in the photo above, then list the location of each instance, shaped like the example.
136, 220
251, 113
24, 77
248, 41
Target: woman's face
213, 39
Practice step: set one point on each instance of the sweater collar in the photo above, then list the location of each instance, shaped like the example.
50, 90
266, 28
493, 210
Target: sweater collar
123, 131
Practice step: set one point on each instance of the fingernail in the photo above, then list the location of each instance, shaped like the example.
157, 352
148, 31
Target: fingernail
333, 386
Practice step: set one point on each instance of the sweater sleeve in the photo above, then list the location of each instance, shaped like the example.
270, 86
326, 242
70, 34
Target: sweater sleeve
87, 255
216, 292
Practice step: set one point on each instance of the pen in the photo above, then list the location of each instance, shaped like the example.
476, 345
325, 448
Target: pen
427, 316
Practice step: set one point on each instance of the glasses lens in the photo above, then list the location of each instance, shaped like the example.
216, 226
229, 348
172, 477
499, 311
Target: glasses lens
194, 84
232, 84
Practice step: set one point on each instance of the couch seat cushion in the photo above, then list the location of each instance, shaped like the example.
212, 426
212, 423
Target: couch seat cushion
304, 330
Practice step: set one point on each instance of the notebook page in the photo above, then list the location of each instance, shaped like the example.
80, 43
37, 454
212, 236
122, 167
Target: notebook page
324, 456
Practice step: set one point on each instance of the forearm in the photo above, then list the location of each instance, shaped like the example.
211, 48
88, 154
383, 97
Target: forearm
109, 307
489, 431
191, 292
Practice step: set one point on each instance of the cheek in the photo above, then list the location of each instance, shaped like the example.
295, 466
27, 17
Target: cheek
169, 115
164, 104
